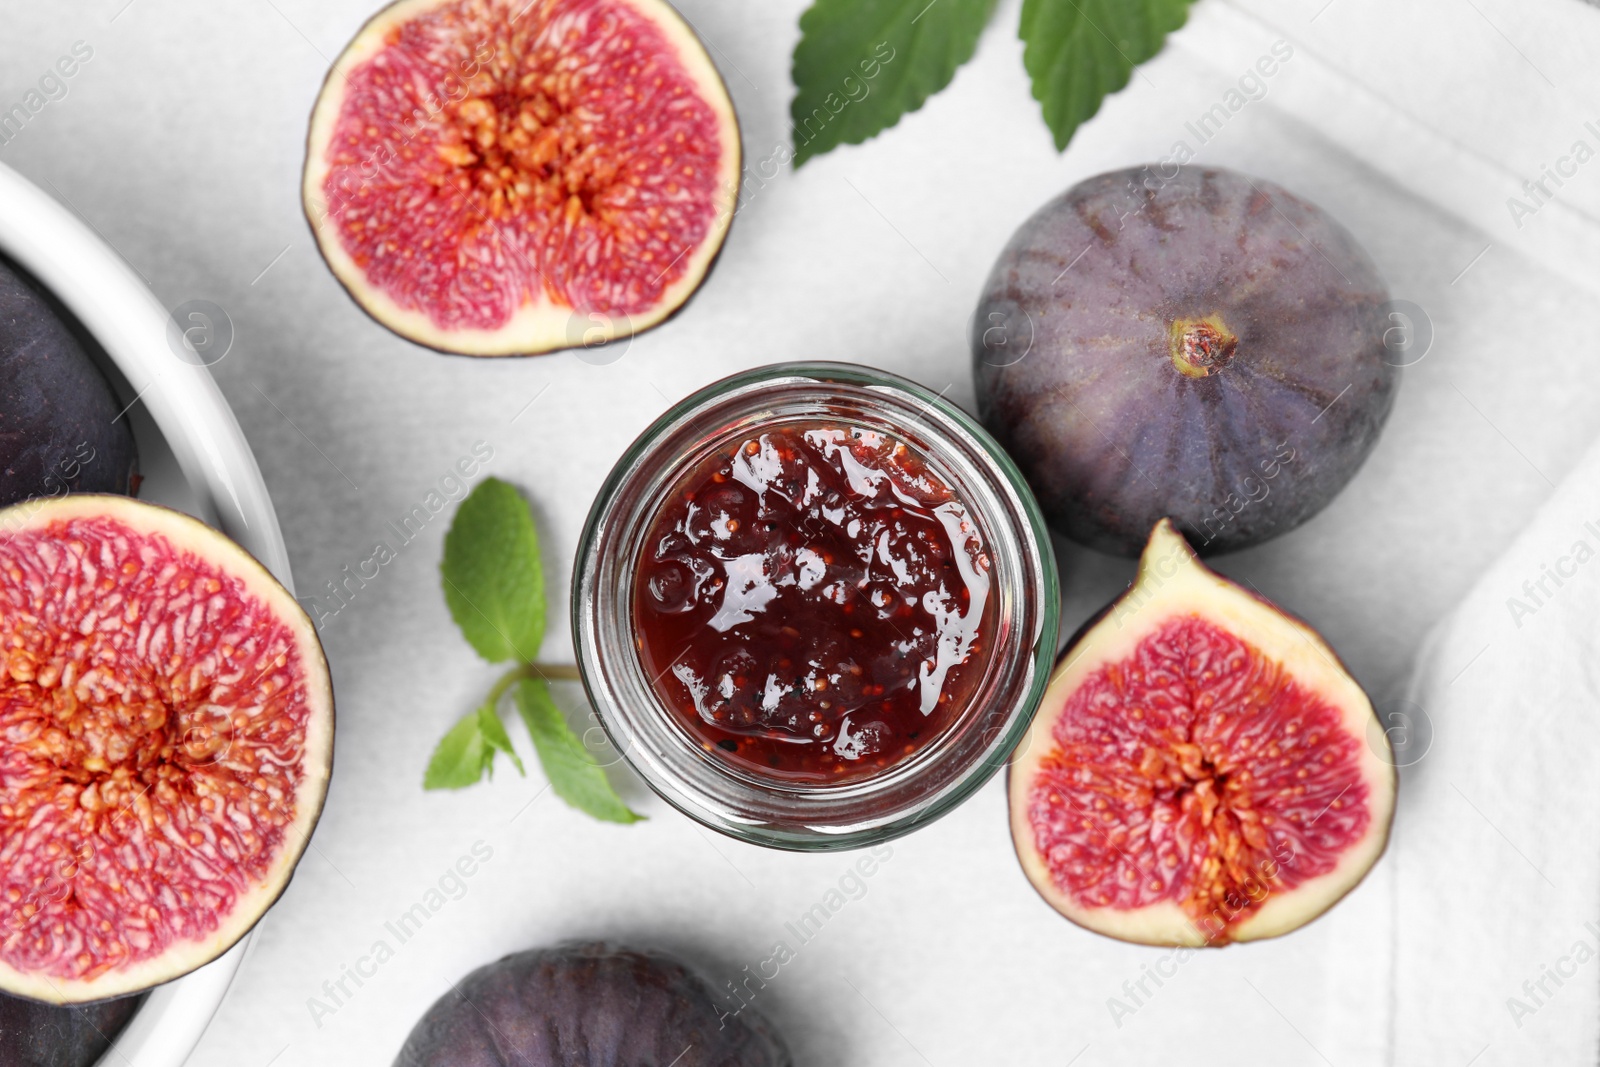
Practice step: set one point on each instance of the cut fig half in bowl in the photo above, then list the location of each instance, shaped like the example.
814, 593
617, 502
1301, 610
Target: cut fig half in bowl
167, 718
513, 177
1203, 769
193, 457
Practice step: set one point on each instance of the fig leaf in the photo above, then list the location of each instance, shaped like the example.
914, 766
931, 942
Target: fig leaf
1078, 52
573, 773
493, 580
861, 64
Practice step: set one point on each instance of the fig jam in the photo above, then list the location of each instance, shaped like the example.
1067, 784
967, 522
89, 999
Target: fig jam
813, 603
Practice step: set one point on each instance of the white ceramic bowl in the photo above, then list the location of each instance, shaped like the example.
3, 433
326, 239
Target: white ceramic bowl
194, 457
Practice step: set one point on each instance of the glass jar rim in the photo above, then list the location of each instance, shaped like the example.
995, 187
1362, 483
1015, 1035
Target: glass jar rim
823, 816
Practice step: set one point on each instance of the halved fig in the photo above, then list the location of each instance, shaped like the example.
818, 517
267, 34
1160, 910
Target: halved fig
166, 736
1202, 770
505, 177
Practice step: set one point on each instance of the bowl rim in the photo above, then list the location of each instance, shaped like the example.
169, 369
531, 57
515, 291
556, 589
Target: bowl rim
115, 306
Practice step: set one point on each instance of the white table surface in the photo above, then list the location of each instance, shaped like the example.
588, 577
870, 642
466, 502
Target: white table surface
181, 142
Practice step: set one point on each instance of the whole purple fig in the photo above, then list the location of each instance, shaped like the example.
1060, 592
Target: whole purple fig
51, 1035
1186, 343
62, 428
588, 1005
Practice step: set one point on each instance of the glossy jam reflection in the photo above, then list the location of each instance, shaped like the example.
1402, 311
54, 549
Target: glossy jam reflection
814, 603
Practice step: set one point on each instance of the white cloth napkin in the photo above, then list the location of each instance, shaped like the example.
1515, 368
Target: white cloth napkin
1495, 860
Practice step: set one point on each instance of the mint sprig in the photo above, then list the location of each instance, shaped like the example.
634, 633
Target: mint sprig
861, 64
493, 581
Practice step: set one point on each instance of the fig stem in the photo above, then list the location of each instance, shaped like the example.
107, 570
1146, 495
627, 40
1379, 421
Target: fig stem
1201, 346
557, 672
550, 672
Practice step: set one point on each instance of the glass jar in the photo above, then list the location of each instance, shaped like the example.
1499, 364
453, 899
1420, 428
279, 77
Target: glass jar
815, 816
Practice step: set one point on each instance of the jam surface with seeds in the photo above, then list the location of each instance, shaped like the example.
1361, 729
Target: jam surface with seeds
814, 603
495, 153
152, 728
1195, 771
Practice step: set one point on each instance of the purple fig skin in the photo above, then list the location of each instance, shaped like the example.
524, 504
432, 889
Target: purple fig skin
61, 425
589, 1005
1240, 435
48, 1035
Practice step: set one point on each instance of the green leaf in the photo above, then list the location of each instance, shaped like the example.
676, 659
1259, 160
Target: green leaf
467, 751
573, 773
496, 739
1080, 51
493, 581
861, 64
458, 761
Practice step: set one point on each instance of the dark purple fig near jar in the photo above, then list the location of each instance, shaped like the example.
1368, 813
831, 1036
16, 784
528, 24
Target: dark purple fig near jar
586, 1004
1203, 346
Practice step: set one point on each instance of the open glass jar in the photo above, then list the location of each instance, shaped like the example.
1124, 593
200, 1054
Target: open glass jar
926, 566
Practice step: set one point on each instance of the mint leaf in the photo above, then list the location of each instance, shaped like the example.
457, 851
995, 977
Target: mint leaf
573, 773
1080, 51
458, 761
495, 738
493, 581
861, 64
467, 751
